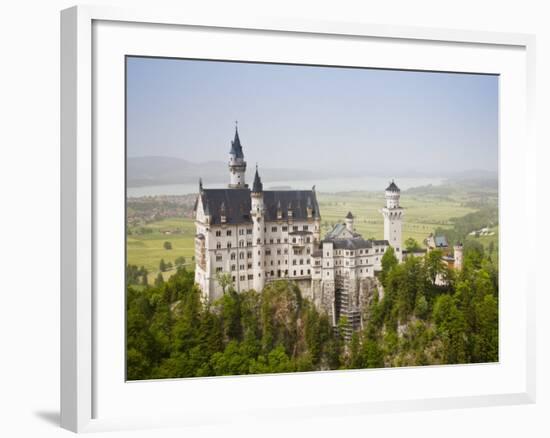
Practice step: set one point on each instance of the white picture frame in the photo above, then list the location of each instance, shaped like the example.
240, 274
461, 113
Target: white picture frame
84, 318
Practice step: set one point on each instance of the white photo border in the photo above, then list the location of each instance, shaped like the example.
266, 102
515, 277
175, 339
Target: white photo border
93, 389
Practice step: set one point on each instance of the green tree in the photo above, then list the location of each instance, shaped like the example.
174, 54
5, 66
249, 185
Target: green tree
180, 261
167, 245
159, 280
412, 245
224, 280
389, 261
162, 265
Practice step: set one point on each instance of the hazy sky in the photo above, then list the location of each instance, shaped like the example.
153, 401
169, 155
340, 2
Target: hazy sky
306, 117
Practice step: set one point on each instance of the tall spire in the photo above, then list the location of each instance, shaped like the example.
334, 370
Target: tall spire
257, 186
236, 148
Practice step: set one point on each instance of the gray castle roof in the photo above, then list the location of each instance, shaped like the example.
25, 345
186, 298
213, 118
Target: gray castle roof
236, 148
392, 187
349, 215
237, 204
355, 243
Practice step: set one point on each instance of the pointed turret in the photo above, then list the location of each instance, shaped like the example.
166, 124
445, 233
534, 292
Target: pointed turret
237, 165
257, 186
393, 187
349, 222
236, 148
200, 185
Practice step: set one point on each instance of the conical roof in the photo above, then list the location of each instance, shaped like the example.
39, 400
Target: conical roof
392, 187
236, 148
257, 185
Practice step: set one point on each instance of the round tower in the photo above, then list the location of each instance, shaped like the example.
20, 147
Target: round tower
393, 219
237, 165
349, 222
458, 255
258, 217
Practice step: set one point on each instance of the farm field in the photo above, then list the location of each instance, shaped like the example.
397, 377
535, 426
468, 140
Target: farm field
148, 249
425, 210
422, 214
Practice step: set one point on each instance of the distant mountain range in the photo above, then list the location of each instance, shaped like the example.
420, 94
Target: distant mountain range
157, 171
152, 171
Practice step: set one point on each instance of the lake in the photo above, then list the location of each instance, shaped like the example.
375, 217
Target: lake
329, 185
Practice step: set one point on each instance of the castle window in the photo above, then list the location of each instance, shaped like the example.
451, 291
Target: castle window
285, 228
259, 241
242, 277
232, 267
286, 251
233, 256
271, 262
218, 245
301, 272
229, 244
305, 227
278, 240
267, 252
219, 258
286, 271
228, 233
249, 243
308, 272
219, 269
241, 243
249, 231
278, 252
327, 274
241, 232
233, 278
249, 266
308, 250
272, 273
274, 229
265, 229
286, 240
301, 261
278, 262
294, 273
241, 255
218, 233
294, 240
295, 228
293, 262
250, 276
241, 267
249, 254
270, 240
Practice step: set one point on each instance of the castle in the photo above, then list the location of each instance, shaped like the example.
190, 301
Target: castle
259, 235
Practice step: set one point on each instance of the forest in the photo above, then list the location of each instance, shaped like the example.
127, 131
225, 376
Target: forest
409, 321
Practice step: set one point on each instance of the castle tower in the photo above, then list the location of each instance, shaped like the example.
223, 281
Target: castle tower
393, 217
459, 255
237, 165
349, 222
258, 217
